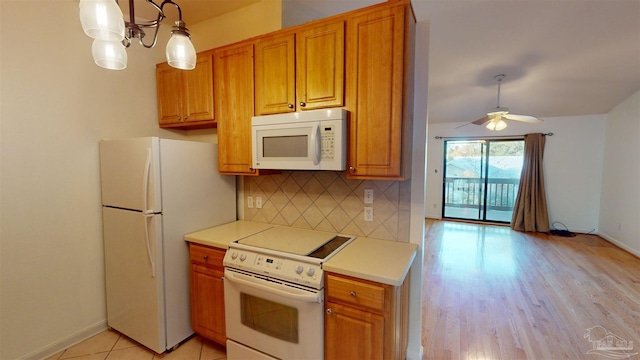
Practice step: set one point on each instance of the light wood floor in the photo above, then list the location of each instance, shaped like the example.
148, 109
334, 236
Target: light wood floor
493, 293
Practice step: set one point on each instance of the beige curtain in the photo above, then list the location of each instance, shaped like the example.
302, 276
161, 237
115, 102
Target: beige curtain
530, 209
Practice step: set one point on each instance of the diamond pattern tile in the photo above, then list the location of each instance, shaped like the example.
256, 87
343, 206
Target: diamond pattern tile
328, 201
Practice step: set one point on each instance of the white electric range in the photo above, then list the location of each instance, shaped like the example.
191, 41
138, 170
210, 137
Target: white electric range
274, 293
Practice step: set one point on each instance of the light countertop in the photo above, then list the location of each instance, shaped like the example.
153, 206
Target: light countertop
221, 236
383, 261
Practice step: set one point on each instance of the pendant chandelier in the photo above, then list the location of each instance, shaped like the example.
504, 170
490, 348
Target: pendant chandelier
103, 21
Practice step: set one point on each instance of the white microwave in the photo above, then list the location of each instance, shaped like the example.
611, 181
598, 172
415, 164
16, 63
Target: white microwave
308, 140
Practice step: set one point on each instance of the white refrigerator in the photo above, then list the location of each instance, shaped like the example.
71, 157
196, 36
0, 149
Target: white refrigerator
153, 192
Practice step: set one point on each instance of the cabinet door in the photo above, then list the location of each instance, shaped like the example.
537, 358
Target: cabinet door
169, 85
375, 88
207, 302
353, 334
275, 75
198, 90
233, 86
320, 66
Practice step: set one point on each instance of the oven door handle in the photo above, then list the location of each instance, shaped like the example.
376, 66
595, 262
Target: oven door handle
281, 290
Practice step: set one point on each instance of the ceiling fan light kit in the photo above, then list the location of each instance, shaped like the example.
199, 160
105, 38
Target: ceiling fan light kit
496, 124
103, 21
494, 119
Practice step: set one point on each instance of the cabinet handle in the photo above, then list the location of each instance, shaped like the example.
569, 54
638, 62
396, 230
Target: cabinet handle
329, 311
352, 169
290, 106
206, 257
353, 294
186, 117
303, 104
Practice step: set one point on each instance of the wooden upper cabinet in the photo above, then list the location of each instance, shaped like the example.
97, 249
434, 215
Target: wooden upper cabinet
198, 83
233, 84
379, 91
300, 71
275, 74
169, 87
320, 66
185, 97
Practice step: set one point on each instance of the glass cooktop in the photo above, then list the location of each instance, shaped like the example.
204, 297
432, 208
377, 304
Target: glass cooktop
312, 243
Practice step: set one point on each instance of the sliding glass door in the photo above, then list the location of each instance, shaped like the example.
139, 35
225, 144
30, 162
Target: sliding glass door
464, 171
481, 179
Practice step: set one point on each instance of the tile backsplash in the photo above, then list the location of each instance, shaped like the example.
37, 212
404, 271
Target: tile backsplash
328, 201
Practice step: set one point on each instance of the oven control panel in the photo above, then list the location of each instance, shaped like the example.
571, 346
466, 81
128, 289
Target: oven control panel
293, 270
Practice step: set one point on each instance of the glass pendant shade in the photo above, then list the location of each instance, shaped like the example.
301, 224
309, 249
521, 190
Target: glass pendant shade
109, 54
180, 51
496, 125
102, 19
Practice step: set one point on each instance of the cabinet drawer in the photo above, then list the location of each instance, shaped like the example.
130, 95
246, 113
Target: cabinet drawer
205, 255
355, 292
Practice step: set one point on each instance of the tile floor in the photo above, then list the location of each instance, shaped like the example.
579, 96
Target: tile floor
111, 345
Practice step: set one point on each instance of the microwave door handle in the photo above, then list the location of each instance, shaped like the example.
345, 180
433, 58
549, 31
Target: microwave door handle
315, 140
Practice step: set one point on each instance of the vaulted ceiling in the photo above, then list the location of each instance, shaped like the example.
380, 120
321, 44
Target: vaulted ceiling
560, 58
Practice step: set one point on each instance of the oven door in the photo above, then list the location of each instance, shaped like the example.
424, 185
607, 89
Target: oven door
279, 319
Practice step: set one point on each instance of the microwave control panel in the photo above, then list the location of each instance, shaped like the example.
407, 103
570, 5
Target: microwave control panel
328, 137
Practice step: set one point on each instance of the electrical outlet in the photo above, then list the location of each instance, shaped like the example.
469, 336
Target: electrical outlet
250, 202
258, 202
368, 213
368, 196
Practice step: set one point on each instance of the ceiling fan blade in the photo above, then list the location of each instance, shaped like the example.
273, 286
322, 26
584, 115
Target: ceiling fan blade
482, 120
525, 118
458, 127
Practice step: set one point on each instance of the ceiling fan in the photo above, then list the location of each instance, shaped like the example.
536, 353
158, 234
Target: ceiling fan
495, 118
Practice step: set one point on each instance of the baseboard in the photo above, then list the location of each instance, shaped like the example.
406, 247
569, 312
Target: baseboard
619, 244
66, 342
411, 355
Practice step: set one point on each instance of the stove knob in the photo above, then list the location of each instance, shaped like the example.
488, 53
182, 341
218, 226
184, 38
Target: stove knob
243, 257
234, 255
299, 269
311, 271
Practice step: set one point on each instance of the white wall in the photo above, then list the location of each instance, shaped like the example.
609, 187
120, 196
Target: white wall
244, 23
56, 106
573, 164
418, 178
620, 197
296, 13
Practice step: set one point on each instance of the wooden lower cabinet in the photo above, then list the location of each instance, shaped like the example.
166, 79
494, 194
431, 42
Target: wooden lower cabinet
207, 292
365, 319
353, 333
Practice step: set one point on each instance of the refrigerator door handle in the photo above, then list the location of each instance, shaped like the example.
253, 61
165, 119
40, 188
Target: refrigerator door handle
146, 212
146, 235
145, 184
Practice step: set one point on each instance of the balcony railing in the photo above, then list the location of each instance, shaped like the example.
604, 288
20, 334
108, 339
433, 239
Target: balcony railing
467, 193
